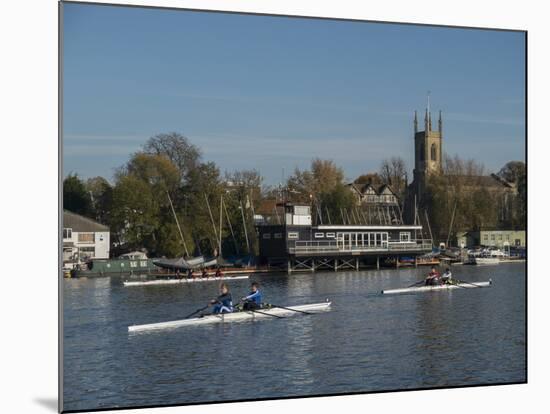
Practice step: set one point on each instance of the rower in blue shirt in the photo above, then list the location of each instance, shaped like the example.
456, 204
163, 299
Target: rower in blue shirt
254, 298
224, 302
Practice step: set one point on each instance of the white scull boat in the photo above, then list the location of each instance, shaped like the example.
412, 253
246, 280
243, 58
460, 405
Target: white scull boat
460, 285
183, 280
271, 313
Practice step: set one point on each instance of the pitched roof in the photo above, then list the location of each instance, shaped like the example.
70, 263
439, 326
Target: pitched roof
77, 223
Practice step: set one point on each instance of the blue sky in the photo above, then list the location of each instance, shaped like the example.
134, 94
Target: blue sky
271, 93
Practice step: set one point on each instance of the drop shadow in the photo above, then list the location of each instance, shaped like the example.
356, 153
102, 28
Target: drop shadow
49, 403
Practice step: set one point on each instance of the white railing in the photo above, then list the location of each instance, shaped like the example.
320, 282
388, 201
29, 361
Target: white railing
326, 246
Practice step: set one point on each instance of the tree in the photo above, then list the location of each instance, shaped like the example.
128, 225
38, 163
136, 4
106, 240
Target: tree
515, 172
134, 216
371, 178
393, 172
177, 148
323, 176
101, 193
339, 199
75, 196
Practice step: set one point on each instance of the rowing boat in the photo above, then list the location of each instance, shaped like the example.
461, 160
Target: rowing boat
460, 285
183, 280
235, 317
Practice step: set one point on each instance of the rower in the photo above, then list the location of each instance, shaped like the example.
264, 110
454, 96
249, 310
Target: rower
219, 272
224, 302
447, 276
254, 298
190, 273
433, 277
204, 272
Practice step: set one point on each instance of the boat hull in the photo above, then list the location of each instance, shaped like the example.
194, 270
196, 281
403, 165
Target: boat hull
234, 317
438, 287
162, 282
487, 260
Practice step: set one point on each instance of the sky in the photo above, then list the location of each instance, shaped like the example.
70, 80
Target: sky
272, 93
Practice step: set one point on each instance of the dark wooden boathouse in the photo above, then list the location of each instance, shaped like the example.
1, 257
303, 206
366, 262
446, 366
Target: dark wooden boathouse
295, 244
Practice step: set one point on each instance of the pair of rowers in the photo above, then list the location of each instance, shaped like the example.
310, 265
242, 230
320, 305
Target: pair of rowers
435, 278
224, 302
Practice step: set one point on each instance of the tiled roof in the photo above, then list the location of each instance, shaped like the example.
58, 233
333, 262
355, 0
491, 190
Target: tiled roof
79, 223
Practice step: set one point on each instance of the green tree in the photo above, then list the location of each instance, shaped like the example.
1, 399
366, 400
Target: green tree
178, 149
134, 216
338, 200
101, 193
75, 196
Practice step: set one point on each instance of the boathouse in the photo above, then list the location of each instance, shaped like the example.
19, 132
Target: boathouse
296, 244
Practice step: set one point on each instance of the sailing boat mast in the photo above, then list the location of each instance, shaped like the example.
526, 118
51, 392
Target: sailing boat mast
211, 217
177, 223
244, 226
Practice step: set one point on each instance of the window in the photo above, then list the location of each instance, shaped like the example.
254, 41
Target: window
86, 237
301, 210
86, 252
492, 237
485, 237
331, 235
267, 236
293, 235
319, 235
67, 233
404, 237
434, 152
278, 235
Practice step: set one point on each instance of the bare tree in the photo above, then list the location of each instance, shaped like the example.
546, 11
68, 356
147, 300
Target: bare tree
393, 172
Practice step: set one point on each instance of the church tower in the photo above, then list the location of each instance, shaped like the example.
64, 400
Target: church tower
427, 150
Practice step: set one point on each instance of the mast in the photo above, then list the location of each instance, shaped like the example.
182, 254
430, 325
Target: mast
231, 229
177, 223
244, 226
221, 218
451, 225
211, 217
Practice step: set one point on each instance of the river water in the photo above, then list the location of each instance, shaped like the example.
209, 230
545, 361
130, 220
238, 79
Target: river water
367, 342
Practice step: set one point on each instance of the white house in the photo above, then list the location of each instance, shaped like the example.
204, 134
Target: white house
84, 238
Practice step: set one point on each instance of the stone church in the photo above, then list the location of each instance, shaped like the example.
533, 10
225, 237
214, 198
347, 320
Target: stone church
428, 161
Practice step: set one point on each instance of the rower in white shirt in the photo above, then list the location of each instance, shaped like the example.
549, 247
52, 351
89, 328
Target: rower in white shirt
447, 276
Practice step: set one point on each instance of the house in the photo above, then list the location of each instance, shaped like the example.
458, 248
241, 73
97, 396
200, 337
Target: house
492, 238
367, 194
84, 238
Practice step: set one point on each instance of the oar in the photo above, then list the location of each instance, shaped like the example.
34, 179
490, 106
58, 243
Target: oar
264, 313
293, 310
468, 283
197, 311
417, 283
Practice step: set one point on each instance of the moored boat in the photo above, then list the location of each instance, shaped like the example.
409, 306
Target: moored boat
184, 280
446, 286
486, 260
264, 313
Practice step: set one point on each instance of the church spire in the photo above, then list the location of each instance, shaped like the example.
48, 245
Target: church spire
440, 123
426, 121
415, 123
